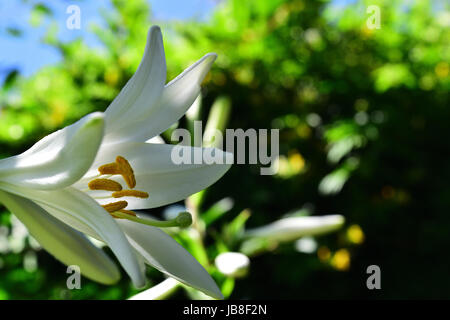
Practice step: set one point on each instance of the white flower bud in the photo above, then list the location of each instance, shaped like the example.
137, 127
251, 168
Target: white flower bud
293, 228
233, 264
306, 245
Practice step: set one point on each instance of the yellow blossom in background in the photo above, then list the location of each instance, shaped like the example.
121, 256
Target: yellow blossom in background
291, 165
442, 69
341, 260
355, 234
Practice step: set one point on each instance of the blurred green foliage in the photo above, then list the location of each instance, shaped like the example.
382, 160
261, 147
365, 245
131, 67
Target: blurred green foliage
363, 118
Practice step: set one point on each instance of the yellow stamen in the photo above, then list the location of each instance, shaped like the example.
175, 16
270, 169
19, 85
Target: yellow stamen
130, 193
115, 206
104, 184
110, 168
117, 209
123, 211
127, 171
122, 167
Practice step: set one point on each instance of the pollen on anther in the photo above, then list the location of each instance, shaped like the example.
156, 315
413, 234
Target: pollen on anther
126, 171
109, 168
104, 184
115, 206
120, 166
130, 193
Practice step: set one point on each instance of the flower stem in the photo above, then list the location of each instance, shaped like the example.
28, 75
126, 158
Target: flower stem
183, 220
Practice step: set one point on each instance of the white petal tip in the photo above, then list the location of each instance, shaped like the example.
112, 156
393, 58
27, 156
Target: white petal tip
207, 60
335, 219
214, 293
95, 115
218, 296
212, 56
153, 30
139, 284
156, 27
202, 66
93, 119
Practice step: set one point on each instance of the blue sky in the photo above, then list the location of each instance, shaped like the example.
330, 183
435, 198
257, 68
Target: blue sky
27, 54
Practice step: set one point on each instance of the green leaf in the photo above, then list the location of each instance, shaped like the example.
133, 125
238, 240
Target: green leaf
233, 231
217, 210
227, 287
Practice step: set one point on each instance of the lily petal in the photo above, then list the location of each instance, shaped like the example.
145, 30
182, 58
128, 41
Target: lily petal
64, 243
156, 139
49, 164
156, 173
169, 257
158, 292
176, 99
139, 95
79, 207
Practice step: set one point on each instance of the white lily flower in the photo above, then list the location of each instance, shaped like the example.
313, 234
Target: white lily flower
74, 177
293, 228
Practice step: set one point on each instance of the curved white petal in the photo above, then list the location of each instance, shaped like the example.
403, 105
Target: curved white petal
72, 220
79, 207
176, 99
158, 292
292, 228
50, 163
166, 255
64, 243
139, 95
156, 173
156, 139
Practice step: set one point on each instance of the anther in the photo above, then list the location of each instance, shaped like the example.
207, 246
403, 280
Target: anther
130, 193
104, 184
110, 168
127, 171
122, 167
115, 206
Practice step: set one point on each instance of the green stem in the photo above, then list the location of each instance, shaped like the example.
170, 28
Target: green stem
154, 223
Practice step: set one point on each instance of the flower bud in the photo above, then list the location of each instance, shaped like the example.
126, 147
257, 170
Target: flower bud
293, 228
233, 264
184, 219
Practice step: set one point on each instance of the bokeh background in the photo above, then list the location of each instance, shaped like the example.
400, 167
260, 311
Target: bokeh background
364, 127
